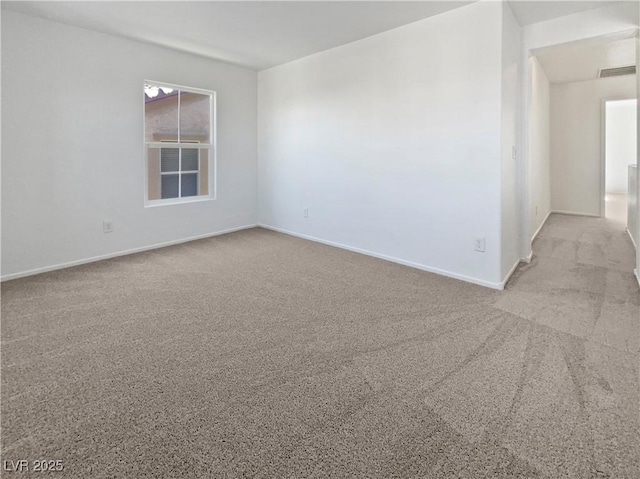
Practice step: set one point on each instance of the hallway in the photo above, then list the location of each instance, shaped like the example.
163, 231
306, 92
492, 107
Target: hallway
580, 281
583, 376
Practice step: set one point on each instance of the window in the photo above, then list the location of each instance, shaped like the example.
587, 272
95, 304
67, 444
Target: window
179, 143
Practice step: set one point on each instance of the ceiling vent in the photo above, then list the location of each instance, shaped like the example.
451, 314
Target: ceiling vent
618, 71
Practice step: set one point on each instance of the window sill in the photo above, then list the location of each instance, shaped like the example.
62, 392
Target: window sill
177, 201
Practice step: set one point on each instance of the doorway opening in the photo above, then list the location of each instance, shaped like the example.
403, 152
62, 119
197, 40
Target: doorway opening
568, 86
619, 157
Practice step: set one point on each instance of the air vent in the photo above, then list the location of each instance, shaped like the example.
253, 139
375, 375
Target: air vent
618, 71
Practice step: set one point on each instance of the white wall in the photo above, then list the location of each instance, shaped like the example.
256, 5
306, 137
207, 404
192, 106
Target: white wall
392, 143
632, 203
72, 150
539, 147
576, 141
637, 200
511, 66
620, 144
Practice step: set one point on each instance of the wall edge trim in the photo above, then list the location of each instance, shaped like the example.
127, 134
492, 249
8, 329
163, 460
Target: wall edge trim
95, 259
392, 259
544, 221
575, 213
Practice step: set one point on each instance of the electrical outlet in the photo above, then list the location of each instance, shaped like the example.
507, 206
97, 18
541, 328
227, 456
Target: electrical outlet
479, 245
107, 226
305, 213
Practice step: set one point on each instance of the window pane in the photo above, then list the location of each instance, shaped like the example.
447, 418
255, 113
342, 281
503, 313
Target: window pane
160, 113
169, 159
189, 159
195, 117
204, 172
153, 173
190, 184
169, 186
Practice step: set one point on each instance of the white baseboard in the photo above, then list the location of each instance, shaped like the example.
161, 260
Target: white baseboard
632, 241
93, 259
527, 259
392, 259
540, 227
575, 213
510, 273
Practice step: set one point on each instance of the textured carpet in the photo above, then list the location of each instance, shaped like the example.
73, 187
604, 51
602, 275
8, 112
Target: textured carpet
257, 354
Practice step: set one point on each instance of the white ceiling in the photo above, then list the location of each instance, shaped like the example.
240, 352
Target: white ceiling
261, 34
583, 60
257, 35
528, 12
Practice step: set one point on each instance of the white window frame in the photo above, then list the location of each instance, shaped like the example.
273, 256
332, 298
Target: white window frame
211, 147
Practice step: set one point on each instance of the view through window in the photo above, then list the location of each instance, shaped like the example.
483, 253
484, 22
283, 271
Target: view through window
178, 125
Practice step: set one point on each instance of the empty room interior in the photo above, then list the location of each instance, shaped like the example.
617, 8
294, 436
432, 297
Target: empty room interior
291, 239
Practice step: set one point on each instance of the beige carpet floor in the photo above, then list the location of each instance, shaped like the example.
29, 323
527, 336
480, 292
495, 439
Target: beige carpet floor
257, 354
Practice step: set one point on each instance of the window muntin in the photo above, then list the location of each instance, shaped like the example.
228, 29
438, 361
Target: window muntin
179, 170
179, 143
